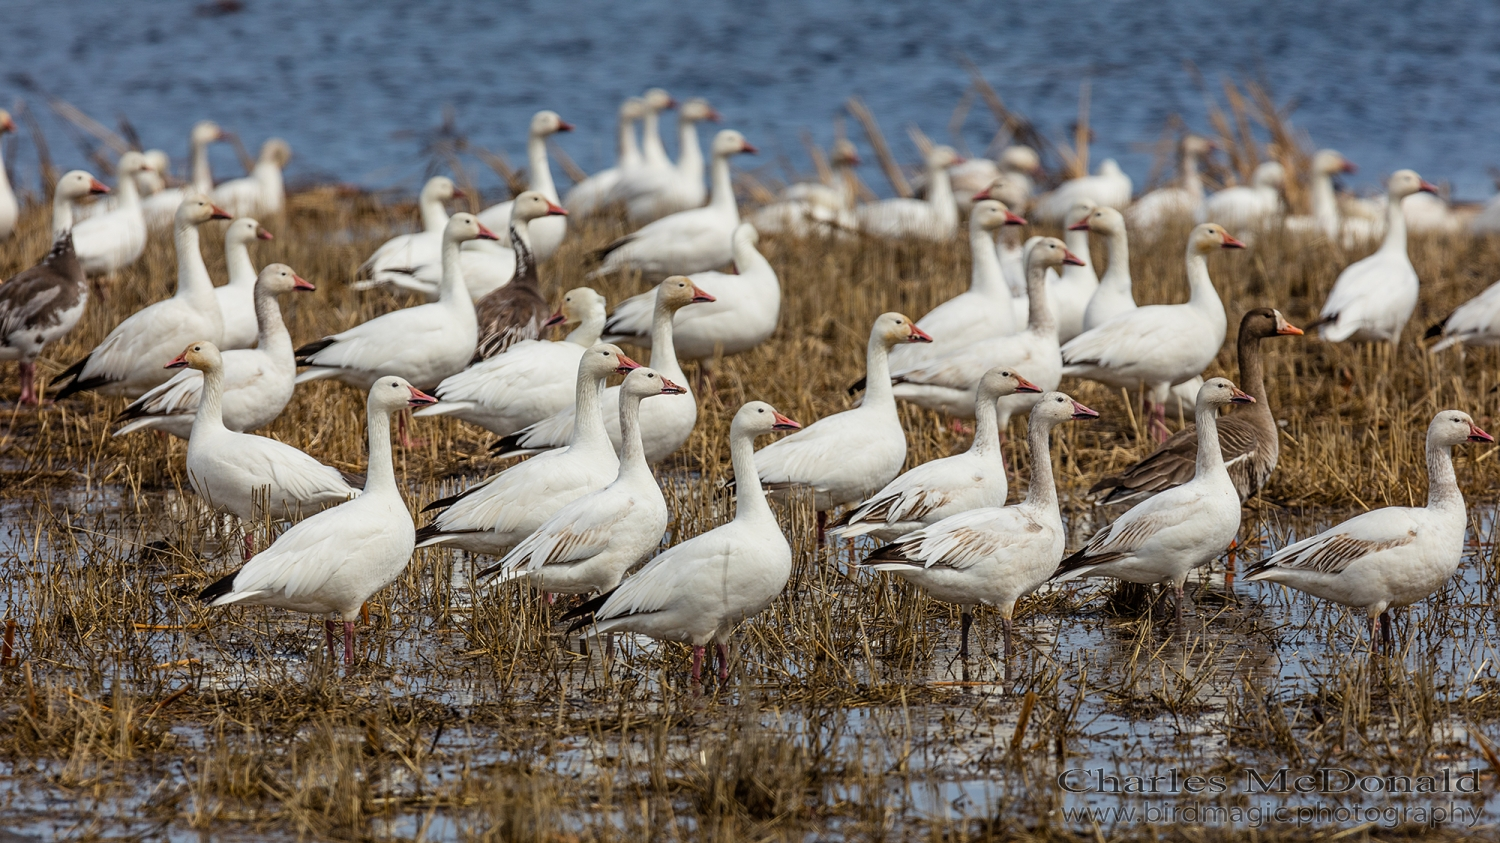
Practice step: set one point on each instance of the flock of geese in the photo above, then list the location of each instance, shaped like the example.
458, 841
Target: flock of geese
214, 364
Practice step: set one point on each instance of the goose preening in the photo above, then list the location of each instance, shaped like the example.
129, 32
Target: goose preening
1249, 437
422, 344
529, 381
10, 209
108, 242
1163, 538
1109, 186
332, 562
700, 590
846, 457
1392, 557
995, 554
948, 383
814, 209
1159, 345
933, 218
589, 544
591, 195
1247, 209
129, 361
1475, 322
1325, 220
255, 383
516, 311
40, 306
1182, 201
1373, 298
398, 258
666, 422
651, 194
237, 298
935, 490
262, 193
687, 241
546, 234
494, 515
160, 208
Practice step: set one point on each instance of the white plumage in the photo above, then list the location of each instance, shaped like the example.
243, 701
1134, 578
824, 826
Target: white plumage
592, 194
237, 298
652, 193
1475, 322
933, 218
1247, 209
395, 260
108, 242
1179, 202
261, 193
546, 233
1109, 186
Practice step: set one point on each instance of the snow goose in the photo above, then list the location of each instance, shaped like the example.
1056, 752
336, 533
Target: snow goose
107, 243
1009, 246
160, 208
1247, 209
1325, 219
422, 344
73, 186
992, 554
1249, 437
516, 311
840, 194
1163, 538
814, 209
589, 544
10, 209
744, 312
933, 218
1070, 291
1109, 186
1475, 322
700, 590
397, 258
1373, 298
667, 422
589, 196
261, 193
1159, 345
494, 515
1392, 557
256, 382
1487, 221
679, 188
39, 306
654, 167
546, 234
334, 561
948, 384
244, 475
129, 361
935, 490
237, 298
1115, 294
1182, 201
529, 381
846, 457
975, 175
687, 241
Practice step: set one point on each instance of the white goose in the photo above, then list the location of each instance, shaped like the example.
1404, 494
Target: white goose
589, 544
38, 307
1109, 186
1326, 220
814, 209
262, 193
934, 218
107, 243
1373, 298
1182, 201
546, 233
1247, 209
590, 196
679, 188
948, 384
160, 208
1115, 294
687, 241
1163, 538
667, 422
529, 381
997, 554
334, 561
422, 344
10, 209
935, 490
1392, 557
1475, 322
128, 361
1070, 291
237, 298
976, 175
494, 515
700, 590
1159, 345
257, 382
846, 457
654, 164
396, 259
1009, 246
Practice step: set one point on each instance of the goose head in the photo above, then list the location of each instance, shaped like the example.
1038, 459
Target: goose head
545, 123
1328, 162
1454, 427
206, 132
698, 109
1109, 167
578, 305
1102, 220
678, 292
729, 142
158, 161
1196, 147
845, 154
942, 157
1404, 183
276, 151
758, 417
197, 210
605, 359
1006, 188
391, 394
462, 227
893, 329
1057, 407
440, 189
1050, 253
632, 109
245, 230
991, 214
278, 278
1002, 381
6, 124
644, 383
76, 184
201, 355
1079, 213
531, 205
1220, 392
1269, 174
130, 163
1021, 159
1263, 322
658, 100
1209, 237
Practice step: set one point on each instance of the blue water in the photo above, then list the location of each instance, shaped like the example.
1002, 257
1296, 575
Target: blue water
352, 85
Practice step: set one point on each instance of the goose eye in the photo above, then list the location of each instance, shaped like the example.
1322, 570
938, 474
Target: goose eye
760, 411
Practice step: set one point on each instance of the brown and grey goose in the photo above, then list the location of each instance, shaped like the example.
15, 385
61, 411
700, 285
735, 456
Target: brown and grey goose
1248, 437
518, 310
40, 305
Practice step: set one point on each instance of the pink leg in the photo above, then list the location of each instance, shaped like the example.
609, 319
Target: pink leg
549, 597
1159, 427
249, 546
698, 667
28, 384
348, 642
722, 654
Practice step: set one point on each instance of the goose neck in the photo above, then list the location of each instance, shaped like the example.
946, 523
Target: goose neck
1117, 276
380, 475
663, 346
627, 148
1442, 483
986, 278
541, 167
62, 214
986, 427
1042, 493
722, 195
940, 195
453, 292
589, 330
237, 258
1192, 180
1210, 458
878, 391
1039, 318
1325, 206
127, 194
192, 276
203, 176
434, 215
633, 450
520, 242
1078, 244
689, 153
750, 498
651, 146
588, 418
1395, 225
1201, 291
210, 416
271, 334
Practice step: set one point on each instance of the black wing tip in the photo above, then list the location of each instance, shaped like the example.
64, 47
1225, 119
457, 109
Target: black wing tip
857, 385
306, 351
218, 588
76, 385
431, 531
584, 612
356, 481
506, 444
1437, 329
886, 553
